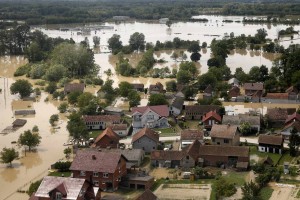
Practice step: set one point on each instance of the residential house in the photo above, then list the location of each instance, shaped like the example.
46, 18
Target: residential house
145, 139
208, 92
210, 119
286, 131
74, 87
24, 112
156, 88
120, 129
188, 136
196, 112
253, 120
252, 88
110, 110
270, 143
276, 96
139, 87
107, 139
291, 118
147, 195
150, 116
276, 117
57, 188
134, 157
293, 93
233, 93
96, 122
19, 123
225, 135
229, 156
186, 158
104, 169
176, 106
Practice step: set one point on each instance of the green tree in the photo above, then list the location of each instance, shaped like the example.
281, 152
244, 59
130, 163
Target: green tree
171, 86
34, 53
174, 56
96, 41
63, 107
205, 79
29, 139
51, 87
35, 129
76, 127
53, 118
137, 41
157, 99
21, 86
245, 128
108, 90
183, 77
224, 188
7, 155
194, 47
294, 142
55, 73
115, 44
251, 191
84, 99
33, 187
169, 23
73, 96
125, 88
67, 152
134, 98
261, 35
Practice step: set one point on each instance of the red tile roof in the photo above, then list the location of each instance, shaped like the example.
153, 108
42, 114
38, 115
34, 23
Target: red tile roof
109, 133
217, 150
161, 110
167, 155
277, 96
294, 117
97, 161
292, 89
193, 149
270, 139
253, 86
119, 127
294, 124
213, 114
147, 195
234, 91
224, 131
191, 134
279, 113
101, 118
146, 132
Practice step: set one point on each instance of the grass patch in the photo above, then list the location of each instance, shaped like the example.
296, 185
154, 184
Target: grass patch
166, 131
60, 174
285, 158
275, 157
145, 162
94, 134
236, 177
158, 182
266, 193
298, 194
289, 181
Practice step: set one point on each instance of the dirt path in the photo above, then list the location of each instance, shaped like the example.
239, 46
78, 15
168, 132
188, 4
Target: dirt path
283, 191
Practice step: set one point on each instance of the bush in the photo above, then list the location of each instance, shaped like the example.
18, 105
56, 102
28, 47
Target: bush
33, 187
63, 107
98, 81
35, 129
37, 91
63, 166
51, 88
25, 69
40, 83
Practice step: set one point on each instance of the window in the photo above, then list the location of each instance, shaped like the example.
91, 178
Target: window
82, 173
226, 141
153, 147
58, 196
187, 157
96, 174
105, 175
96, 183
213, 139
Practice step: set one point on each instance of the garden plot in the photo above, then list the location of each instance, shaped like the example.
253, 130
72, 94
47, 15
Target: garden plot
183, 191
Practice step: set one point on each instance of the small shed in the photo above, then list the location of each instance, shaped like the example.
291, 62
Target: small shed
19, 123
24, 112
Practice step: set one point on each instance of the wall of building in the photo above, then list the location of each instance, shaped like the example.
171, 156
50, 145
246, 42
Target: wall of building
145, 143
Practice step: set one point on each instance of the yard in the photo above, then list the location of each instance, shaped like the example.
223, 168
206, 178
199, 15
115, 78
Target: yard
165, 132
256, 155
94, 134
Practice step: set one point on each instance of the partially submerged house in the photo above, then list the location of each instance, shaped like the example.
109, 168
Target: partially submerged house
252, 88
233, 93
110, 110
19, 123
270, 143
100, 122
188, 136
150, 116
24, 112
107, 139
53, 187
293, 93
145, 139
225, 135
73, 87
104, 169
286, 131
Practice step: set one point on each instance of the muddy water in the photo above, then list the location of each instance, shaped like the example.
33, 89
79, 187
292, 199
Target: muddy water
34, 164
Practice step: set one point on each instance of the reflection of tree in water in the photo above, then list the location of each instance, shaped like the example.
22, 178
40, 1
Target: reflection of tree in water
31, 159
169, 31
251, 53
10, 174
257, 53
242, 52
96, 50
271, 56
204, 51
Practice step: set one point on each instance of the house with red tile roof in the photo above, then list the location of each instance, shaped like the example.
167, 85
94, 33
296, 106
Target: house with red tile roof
120, 129
291, 118
104, 169
286, 131
252, 88
53, 187
211, 118
100, 122
150, 116
188, 136
145, 139
225, 135
270, 143
108, 138
276, 117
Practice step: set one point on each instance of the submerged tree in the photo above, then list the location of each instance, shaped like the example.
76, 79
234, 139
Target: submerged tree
7, 155
29, 139
23, 87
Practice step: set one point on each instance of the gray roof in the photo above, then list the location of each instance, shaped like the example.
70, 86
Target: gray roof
177, 102
238, 119
129, 154
19, 122
24, 112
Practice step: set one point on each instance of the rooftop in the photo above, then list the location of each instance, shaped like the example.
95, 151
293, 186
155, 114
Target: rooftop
109, 133
167, 155
201, 108
104, 118
191, 134
270, 139
146, 132
217, 150
280, 113
223, 131
161, 110
212, 114
71, 87
253, 86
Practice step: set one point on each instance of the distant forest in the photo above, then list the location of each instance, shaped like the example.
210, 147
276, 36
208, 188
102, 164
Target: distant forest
53, 12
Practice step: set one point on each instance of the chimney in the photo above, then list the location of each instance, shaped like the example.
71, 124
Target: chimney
93, 157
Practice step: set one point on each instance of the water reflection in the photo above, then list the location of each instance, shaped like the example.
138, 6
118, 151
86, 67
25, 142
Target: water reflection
10, 174
31, 159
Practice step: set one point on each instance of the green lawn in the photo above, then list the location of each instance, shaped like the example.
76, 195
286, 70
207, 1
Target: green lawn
164, 132
275, 157
298, 194
236, 177
266, 193
61, 174
94, 134
285, 158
